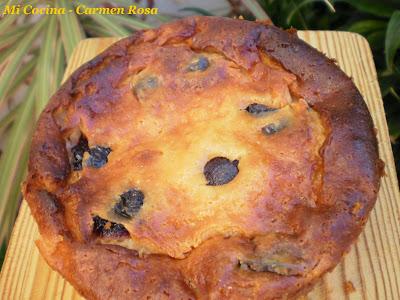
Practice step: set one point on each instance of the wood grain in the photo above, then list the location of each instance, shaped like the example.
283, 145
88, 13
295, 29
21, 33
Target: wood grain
373, 264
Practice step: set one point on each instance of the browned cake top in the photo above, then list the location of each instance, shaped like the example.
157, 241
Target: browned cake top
208, 158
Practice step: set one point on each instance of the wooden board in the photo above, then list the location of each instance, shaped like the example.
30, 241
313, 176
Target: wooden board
373, 264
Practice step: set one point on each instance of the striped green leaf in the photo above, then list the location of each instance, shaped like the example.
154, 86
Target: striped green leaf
44, 67
5, 55
7, 21
22, 75
15, 192
113, 28
114, 24
130, 21
9, 118
23, 46
3, 249
392, 40
93, 29
11, 36
71, 30
59, 66
12, 162
197, 10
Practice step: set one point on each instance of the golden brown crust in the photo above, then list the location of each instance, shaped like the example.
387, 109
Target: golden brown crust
286, 233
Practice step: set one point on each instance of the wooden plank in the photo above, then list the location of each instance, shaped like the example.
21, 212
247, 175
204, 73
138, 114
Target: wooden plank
372, 266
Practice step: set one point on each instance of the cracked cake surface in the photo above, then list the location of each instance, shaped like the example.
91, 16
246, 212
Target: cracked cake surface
210, 158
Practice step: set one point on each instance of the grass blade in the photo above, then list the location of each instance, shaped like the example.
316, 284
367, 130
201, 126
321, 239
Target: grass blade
43, 68
113, 28
9, 2
255, 8
25, 72
367, 26
15, 193
9, 72
197, 10
9, 117
395, 94
11, 36
303, 3
59, 66
329, 5
376, 40
5, 54
3, 249
392, 40
95, 30
130, 21
11, 161
71, 31
15, 2
7, 21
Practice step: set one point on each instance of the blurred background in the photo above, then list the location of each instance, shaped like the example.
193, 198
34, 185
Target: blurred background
34, 51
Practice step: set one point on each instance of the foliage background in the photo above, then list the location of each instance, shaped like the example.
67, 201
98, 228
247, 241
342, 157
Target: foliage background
34, 51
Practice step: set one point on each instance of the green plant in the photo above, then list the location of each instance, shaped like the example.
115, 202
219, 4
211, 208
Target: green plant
34, 52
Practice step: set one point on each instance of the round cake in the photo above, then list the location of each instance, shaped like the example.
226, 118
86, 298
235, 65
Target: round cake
210, 158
